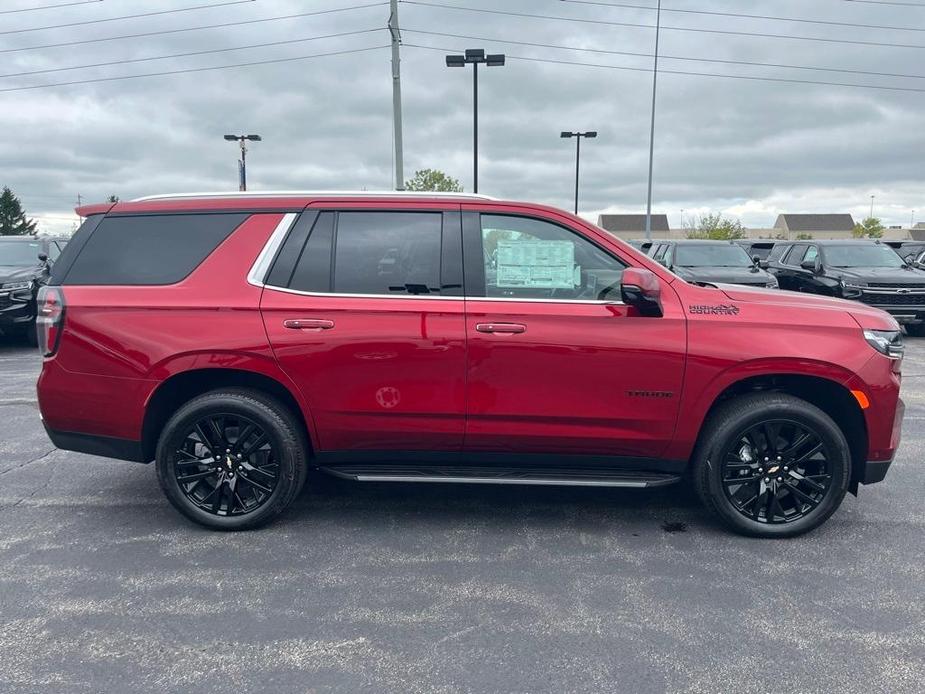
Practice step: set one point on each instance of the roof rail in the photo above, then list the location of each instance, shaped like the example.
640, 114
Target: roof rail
315, 193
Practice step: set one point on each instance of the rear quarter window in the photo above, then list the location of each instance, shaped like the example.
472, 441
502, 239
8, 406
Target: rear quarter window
149, 249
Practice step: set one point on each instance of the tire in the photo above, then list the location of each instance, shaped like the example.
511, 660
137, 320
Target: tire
254, 482
31, 336
729, 465
915, 329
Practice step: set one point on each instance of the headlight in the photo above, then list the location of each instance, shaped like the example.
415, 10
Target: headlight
852, 285
772, 283
887, 342
16, 286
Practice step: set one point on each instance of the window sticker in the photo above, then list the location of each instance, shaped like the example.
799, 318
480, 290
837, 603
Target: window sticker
537, 264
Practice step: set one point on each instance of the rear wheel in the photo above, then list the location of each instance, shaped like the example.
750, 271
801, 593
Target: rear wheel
231, 459
772, 465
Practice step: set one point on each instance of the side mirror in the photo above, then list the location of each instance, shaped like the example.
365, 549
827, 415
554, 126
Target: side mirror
815, 265
43, 257
756, 260
640, 288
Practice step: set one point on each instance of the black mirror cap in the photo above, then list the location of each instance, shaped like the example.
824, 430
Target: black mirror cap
43, 257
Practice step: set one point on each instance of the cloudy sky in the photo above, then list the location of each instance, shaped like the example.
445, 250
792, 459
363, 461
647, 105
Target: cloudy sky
748, 148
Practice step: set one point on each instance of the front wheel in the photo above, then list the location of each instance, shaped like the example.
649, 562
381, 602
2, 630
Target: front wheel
772, 465
231, 459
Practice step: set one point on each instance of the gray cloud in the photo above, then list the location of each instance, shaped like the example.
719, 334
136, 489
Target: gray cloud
746, 147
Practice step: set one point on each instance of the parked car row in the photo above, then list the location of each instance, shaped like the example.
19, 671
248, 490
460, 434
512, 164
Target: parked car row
25, 264
887, 276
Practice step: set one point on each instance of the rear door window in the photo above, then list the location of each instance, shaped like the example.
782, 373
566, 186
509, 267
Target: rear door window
149, 249
387, 253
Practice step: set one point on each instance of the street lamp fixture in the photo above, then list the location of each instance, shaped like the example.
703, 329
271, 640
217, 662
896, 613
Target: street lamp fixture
475, 57
577, 136
242, 163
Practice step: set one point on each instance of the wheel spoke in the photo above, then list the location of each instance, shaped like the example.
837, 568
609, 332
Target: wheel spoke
184, 479
242, 437
796, 444
257, 485
809, 454
799, 494
257, 443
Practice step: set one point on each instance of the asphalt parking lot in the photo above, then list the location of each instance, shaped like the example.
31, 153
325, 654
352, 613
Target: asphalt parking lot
404, 588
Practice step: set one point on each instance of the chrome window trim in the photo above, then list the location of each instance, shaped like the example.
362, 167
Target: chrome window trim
261, 266
432, 297
258, 273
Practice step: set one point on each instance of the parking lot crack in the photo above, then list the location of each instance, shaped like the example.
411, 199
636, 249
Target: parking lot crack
37, 459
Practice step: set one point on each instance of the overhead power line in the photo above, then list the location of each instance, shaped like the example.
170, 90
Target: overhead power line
192, 53
887, 2
688, 73
127, 16
193, 69
742, 15
51, 7
665, 27
666, 57
222, 25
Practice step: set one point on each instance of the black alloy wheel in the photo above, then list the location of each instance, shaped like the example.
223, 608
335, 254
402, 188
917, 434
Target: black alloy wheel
776, 472
232, 459
770, 464
226, 465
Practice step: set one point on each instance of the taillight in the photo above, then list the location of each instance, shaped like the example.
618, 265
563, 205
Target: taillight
50, 320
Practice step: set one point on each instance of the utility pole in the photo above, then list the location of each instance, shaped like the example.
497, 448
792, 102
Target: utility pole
396, 95
658, 24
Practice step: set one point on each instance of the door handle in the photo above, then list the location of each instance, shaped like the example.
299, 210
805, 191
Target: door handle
309, 324
501, 328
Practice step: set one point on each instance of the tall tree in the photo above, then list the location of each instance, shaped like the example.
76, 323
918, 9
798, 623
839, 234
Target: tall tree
433, 180
13, 221
871, 228
715, 226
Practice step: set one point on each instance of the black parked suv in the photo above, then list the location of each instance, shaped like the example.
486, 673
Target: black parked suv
867, 271
709, 262
25, 263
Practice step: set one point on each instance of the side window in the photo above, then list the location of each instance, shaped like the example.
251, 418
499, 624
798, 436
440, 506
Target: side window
528, 258
810, 254
149, 249
54, 250
387, 253
659, 252
777, 253
794, 255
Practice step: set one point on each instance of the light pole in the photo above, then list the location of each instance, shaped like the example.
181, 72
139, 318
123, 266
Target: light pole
475, 57
242, 164
658, 25
871, 207
578, 136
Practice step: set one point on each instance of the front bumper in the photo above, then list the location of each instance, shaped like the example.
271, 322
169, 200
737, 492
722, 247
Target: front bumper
875, 471
15, 311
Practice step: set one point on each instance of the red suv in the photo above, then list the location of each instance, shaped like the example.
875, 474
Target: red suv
239, 339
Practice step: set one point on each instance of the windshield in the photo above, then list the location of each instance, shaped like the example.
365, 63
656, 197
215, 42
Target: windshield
19, 254
713, 255
862, 256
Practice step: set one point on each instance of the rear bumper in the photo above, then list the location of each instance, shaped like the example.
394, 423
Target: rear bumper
105, 446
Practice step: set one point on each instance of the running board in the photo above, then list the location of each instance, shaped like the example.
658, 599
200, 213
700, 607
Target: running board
558, 477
